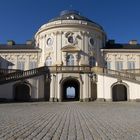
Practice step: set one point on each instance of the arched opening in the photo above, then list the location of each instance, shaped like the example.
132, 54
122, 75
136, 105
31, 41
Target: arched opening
22, 92
70, 90
119, 92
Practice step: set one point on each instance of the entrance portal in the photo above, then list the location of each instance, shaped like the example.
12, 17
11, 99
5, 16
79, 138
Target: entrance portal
70, 90
22, 92
119, 93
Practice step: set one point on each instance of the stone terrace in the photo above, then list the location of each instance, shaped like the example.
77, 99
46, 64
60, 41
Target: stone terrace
70, 121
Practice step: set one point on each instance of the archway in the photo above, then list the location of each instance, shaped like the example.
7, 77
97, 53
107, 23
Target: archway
119, 92
70, 90
22, 92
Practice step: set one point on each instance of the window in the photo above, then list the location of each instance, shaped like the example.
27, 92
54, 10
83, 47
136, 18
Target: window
32, 65
119, 65
70, 60
131, 65
70, 39
91, 61
20, 65
49, 41
91, 41
48, 61
108, 65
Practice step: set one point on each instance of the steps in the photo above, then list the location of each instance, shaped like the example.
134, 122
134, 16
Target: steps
6, 77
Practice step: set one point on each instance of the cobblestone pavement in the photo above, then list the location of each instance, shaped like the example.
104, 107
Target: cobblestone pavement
70, 121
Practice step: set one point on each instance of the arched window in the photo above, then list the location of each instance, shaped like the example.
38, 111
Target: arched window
91, 61
48, 61
70, 60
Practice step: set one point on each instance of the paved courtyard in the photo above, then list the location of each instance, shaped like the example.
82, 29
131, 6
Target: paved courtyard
70, 120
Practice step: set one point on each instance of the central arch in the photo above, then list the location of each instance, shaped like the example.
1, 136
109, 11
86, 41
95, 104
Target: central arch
70, 90
119, 92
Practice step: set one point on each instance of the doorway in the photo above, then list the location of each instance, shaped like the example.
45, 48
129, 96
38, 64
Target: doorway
119, 92
70, 90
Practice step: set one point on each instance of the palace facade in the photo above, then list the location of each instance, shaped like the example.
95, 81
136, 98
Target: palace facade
70, 59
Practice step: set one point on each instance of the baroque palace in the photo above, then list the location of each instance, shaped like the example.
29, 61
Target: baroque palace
70, 59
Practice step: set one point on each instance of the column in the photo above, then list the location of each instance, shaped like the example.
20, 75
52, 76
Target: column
77, 59
125, 62
64, 58
85, 88
59, 92
58, 44
52, 86
89, 86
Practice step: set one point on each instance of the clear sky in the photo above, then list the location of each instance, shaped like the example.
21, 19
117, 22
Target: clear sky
20, 19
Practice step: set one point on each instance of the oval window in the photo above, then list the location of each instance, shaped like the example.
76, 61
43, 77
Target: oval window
91, 41
70, 39
49, 41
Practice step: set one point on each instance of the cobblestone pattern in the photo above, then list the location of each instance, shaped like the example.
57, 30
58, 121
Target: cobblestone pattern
70, 121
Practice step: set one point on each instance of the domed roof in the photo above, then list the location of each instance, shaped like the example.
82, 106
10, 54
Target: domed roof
72, 15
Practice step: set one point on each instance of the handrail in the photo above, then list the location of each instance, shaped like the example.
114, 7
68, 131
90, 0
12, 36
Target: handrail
134, 71
23, 74
120, 74
7, 71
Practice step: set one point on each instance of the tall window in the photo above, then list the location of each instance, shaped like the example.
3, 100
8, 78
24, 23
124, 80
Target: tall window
108, 65
119, 65
48, 61
131, 65
70, 60
32, 65
20, 65
91, 61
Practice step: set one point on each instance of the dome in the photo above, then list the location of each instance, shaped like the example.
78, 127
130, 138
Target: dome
72, 15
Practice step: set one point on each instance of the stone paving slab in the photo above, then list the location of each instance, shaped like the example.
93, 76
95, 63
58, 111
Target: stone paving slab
70, 121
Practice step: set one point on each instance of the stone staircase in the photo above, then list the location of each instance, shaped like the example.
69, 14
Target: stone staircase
121, 75
7, 76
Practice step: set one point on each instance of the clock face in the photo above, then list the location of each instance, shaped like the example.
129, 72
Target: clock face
91, 41
49, 41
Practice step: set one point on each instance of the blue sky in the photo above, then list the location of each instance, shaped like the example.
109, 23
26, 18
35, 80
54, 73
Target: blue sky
20, 19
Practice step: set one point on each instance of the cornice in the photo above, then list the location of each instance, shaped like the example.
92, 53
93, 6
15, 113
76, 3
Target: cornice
71, 25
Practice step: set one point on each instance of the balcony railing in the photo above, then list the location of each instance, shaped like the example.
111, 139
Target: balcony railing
67, 69
117, 74
7, 71
120, 74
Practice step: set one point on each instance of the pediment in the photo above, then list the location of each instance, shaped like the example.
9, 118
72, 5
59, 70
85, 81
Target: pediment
70, 48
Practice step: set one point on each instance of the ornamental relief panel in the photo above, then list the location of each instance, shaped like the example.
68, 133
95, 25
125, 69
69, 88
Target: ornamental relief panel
71, 39
108, 57
119, 57
131, 57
